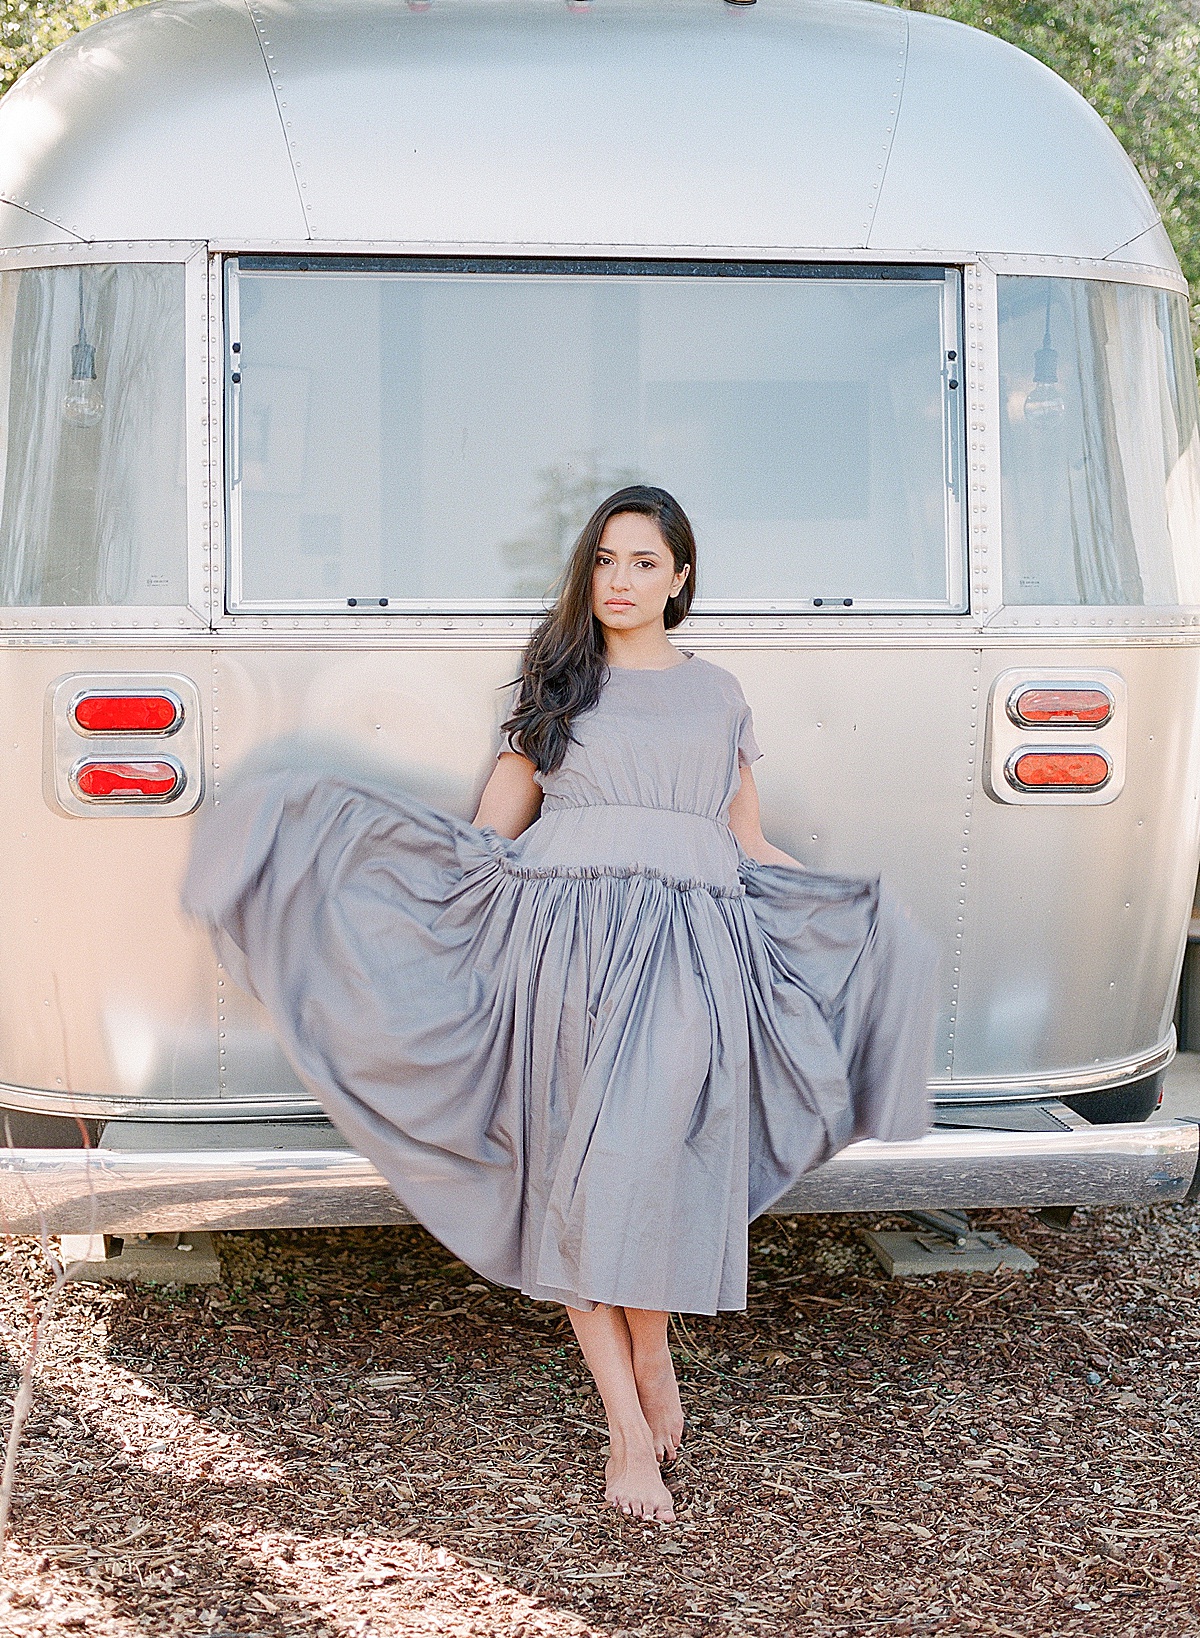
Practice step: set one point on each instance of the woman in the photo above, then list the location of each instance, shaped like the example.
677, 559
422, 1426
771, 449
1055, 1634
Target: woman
589, 1037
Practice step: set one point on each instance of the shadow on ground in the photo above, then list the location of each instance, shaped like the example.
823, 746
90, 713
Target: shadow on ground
354, 1435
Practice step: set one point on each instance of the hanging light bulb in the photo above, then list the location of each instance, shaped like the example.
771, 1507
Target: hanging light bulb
84, 404
1044, 403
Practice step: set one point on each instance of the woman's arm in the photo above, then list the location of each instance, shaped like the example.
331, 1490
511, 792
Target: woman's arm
512, 796
745, 823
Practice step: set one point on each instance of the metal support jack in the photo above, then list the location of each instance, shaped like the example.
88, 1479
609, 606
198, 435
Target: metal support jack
948, 1245
954, 1226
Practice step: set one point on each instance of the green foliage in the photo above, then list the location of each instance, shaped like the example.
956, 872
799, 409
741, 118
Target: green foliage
1136, 61
31, 28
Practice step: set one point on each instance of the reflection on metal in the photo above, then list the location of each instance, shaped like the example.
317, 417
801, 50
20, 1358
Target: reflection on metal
131, 1039
1044, 1003
99, 1191
966, 1170
524, 123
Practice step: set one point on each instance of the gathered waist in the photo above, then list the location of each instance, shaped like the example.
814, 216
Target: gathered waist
622, 838
552, 805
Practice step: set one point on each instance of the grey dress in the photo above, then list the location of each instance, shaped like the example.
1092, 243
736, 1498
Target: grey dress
587, 1058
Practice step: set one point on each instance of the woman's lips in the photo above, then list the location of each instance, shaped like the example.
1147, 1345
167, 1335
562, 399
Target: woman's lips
618, 603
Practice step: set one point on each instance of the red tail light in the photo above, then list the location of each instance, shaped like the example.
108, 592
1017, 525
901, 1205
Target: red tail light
1058, 770
1060, 707
126, 713
128, 781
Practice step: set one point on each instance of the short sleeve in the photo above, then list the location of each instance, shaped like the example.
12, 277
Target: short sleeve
748, 750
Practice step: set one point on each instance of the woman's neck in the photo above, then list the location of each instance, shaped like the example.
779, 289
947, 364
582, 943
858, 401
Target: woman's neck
644, 650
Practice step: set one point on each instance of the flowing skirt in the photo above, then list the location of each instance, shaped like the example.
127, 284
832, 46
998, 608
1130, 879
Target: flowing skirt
585, 1080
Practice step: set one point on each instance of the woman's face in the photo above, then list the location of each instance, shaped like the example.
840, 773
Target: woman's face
634, 575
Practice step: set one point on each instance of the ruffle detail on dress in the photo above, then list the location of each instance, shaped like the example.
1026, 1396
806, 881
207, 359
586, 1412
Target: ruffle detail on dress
591, 873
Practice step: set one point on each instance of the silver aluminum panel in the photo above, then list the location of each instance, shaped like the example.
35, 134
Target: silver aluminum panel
1076, 915
793, 124
1061, 927
1114, 269
147, 122
26, 227
105, 989
1026, 165
1153, 248
528, 123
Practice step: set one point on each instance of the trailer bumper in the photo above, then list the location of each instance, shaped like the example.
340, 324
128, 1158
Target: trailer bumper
246, 1178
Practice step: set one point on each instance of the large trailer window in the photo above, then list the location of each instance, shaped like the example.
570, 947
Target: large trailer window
436, 433
92, 423
1100, 452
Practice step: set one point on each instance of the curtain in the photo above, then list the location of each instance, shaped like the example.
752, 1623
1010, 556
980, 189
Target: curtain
1101, 504
93, 515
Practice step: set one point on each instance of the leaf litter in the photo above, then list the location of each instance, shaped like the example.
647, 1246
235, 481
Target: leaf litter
353, 1437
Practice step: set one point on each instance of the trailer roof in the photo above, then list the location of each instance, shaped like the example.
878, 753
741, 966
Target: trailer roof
686, 125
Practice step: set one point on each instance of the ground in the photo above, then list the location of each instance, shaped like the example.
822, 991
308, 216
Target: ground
355, 1436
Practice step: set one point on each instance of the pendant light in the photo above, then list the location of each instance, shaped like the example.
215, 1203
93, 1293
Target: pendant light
1044, 404
83, 405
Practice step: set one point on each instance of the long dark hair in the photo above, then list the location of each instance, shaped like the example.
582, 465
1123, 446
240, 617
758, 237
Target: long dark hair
563, 668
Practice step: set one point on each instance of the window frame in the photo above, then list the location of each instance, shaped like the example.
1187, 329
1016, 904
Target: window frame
1013, 270
1037, 618
194, 614
950, 277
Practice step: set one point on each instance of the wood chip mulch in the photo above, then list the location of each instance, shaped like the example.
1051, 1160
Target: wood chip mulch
355, 1436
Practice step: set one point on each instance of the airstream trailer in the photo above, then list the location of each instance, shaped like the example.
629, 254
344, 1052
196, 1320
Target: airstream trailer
323, 323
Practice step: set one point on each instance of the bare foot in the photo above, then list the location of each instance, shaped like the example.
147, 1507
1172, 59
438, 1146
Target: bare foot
632, 1482
658, 1395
